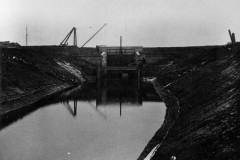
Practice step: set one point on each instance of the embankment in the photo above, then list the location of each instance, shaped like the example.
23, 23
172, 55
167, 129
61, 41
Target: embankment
206, 87
200, 86
29, 74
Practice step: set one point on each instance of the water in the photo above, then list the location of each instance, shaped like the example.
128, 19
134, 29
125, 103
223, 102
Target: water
87, 131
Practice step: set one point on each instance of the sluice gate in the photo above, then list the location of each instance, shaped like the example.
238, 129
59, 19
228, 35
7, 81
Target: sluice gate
120, 66
120, 62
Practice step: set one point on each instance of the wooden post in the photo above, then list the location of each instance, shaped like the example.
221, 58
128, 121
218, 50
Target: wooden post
26, 36
232, 37
120, 44
233, 42
74, 36
230, 34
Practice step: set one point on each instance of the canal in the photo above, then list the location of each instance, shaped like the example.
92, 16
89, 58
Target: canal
88, 123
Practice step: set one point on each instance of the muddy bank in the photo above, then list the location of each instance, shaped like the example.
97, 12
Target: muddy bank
21, 107
206, 87
29, 98
172, 113
29, 75
199, 85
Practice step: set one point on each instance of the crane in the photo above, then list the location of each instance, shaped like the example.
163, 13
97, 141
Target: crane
73, 30
65, 40
93, 35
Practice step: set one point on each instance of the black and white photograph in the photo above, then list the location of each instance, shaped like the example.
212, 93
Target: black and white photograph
119, 80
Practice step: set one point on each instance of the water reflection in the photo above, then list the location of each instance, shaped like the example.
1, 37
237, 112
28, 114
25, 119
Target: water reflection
108, 93
114, 121
114, 91
51, 132
72, 110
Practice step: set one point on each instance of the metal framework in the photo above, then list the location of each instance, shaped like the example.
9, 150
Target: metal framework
93, 35
65, 40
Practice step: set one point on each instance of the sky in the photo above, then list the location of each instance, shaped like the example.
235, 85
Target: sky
149, 23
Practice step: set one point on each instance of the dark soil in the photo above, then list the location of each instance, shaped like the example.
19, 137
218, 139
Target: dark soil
200, 86
29, 74
207, 87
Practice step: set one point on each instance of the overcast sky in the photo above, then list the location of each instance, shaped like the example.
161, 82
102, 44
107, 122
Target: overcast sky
140, 22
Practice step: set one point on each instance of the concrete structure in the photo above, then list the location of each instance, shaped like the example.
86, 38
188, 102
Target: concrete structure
119, 64
115, 58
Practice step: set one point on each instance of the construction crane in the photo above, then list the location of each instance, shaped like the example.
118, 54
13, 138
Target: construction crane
93, 35
65, 40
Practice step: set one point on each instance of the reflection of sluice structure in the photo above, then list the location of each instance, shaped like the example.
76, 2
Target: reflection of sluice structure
118, 92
